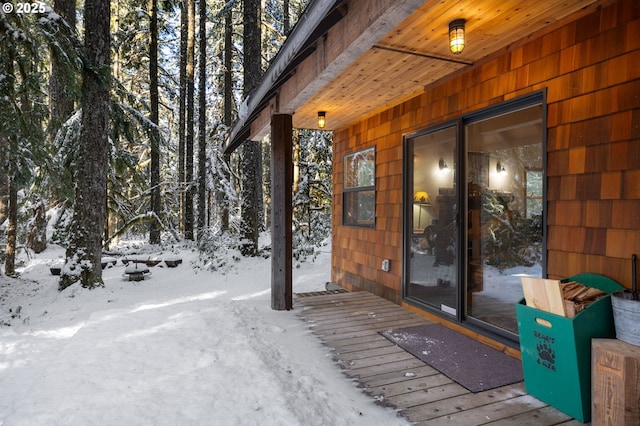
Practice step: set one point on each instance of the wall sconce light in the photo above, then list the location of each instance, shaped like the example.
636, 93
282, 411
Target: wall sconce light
322, 119
442, 165
456, 36
499, 168
421, 197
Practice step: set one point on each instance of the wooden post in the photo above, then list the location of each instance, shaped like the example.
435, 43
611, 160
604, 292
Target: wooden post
281, 212
616, 383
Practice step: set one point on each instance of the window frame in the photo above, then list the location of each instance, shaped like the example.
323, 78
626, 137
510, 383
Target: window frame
352, 190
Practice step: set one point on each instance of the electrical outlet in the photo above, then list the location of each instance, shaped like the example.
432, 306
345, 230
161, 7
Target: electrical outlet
386, 265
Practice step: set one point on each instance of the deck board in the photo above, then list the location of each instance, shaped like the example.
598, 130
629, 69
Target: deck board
349, 324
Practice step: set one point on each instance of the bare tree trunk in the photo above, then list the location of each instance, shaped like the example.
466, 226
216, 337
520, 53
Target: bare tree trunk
10, 258
182, 122
251, 166
188, 201
4, 194
222, 200
4, 178
202, 121
115, 68
154, 231
37, 236
287, 16
84, 252
251, 152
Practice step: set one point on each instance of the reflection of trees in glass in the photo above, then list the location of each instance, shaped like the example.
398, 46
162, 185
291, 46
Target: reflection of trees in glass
510, 239
366, 206
534, 193
366, 172
359, 188
359, 169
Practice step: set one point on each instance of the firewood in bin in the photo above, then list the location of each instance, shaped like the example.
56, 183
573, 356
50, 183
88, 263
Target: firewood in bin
590, 295
570, 289
578, 296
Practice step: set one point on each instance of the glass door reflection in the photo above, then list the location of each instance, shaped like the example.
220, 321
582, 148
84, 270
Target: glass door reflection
504, 213
432, 254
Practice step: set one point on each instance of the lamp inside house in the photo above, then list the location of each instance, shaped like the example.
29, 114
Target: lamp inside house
456, 36
442, 165
499, 168
322, 119
421, 197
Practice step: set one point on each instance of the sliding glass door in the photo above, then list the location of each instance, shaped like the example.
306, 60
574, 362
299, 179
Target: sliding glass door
469, 238
433, 250
504, 176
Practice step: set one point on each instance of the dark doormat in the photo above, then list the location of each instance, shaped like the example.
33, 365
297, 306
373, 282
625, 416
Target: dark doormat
472, 364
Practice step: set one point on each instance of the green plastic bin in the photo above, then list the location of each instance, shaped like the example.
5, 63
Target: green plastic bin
556, 351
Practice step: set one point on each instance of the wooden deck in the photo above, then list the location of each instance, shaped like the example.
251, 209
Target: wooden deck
349, 323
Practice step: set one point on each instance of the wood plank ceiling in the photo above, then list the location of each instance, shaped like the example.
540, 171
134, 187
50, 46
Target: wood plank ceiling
416, 53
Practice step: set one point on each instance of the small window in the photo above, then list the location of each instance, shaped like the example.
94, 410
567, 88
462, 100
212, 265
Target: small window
359, 201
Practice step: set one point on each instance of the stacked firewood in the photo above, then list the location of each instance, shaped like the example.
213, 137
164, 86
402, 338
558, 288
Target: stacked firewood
578, 296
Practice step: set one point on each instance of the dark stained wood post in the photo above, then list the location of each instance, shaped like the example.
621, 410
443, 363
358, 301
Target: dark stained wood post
281, 212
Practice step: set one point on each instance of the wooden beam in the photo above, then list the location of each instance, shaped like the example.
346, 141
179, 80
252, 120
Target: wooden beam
261, 126
421, 54
281, 212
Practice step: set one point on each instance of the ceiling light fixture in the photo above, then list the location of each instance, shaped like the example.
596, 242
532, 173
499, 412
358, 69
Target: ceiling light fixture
322, 119
456, 36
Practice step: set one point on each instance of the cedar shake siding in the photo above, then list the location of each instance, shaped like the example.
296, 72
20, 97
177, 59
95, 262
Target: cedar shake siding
590, 70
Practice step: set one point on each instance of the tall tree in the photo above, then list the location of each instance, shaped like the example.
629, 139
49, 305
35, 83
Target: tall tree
10, 259
251, 153
202, 118
21, 109
222, 200
61, 99
12, 200
182, 121
85, 249
25, 42
189, 141
286, 18
154, 231
4, 178
312, 194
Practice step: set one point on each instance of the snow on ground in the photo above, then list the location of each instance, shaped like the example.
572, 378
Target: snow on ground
183, 347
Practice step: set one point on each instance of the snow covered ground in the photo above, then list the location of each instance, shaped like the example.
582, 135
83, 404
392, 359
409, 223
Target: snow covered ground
183, 347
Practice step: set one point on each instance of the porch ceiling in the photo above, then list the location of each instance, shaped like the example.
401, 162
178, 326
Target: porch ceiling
416, 54
402, 49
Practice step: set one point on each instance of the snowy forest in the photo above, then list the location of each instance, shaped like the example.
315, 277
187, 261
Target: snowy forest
112, 119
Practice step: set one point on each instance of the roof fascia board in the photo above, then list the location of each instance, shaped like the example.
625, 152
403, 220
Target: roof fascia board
295, 43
